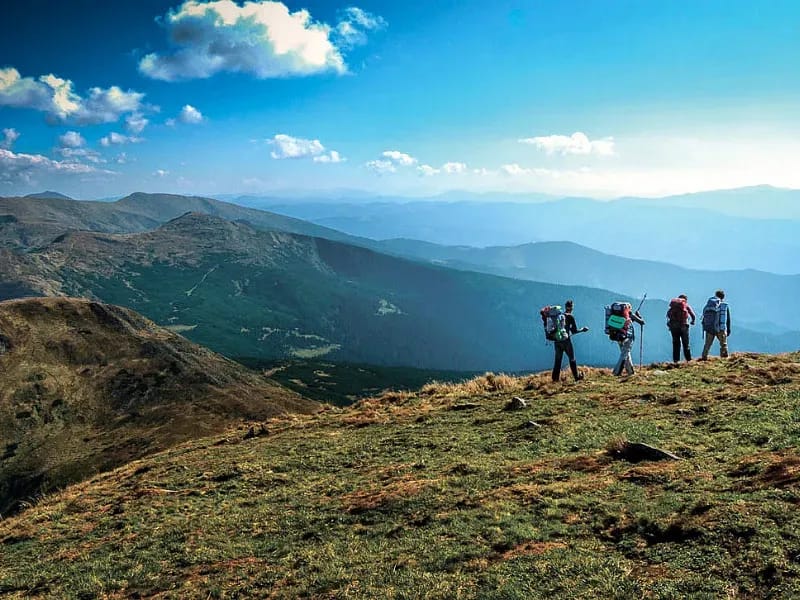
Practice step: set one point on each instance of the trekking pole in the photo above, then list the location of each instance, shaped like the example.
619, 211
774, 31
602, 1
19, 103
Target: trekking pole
641, 332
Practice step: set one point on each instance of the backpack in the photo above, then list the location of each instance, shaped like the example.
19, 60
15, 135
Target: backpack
618, 321
711, 313
678, 313
555, 323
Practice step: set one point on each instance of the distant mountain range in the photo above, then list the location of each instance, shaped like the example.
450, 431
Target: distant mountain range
759, 300
692, 231
259, 294
85, 387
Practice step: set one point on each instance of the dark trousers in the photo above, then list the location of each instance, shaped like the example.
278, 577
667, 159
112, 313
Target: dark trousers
680, 336
564, 347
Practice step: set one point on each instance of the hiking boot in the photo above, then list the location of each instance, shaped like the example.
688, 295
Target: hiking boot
579, 376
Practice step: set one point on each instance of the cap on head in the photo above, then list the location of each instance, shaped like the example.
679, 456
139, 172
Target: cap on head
568, 304
720, 294
683, 297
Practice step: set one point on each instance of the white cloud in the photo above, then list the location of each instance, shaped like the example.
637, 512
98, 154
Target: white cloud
135, 123
577, 143
454, 168
117, 139
15, 168
427, 170
514, 170
381, 166
483, 171
189, 114
332, 157
10, 135
160, 173
55, 96
287, 146
355, 22
71, 139
262, 38
399, 158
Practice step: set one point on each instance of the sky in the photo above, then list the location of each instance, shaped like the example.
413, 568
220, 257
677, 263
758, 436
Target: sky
598, 98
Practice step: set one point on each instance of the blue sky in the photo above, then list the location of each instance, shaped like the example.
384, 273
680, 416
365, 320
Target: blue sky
599, 98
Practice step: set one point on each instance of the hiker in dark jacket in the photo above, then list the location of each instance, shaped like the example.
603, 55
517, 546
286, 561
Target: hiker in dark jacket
625, 346
716, 324
678, 316
564, 346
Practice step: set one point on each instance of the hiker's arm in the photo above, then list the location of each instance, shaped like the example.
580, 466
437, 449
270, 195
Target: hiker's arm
636, 317
691, 313
572, 327
729, 320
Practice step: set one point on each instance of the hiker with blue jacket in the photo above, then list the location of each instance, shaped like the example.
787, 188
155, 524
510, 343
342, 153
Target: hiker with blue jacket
716, 324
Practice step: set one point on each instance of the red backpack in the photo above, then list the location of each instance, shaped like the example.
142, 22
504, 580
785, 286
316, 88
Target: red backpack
678, 313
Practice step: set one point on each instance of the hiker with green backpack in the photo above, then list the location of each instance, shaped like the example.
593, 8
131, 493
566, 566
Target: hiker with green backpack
619, 327
559, 327
716, 324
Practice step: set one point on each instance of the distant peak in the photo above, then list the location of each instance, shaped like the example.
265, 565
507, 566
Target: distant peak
49, 194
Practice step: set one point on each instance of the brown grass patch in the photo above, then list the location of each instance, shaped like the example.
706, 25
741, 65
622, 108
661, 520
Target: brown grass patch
364, 500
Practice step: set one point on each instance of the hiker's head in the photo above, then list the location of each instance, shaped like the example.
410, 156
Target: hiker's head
720, 294
568, 306
683, 297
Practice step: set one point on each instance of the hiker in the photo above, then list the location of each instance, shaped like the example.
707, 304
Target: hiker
716, 324
619, 327
559, 327
678, 316
565, 346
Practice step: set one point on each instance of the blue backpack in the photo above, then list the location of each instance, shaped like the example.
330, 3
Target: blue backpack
715, 315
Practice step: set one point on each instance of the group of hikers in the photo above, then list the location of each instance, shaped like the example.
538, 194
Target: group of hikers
620, 320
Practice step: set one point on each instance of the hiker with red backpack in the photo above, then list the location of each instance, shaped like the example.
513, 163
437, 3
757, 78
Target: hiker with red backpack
619, 326
678, 316
716, 324
559, 327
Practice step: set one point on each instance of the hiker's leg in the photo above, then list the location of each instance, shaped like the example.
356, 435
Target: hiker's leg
621, 360
557, 362
676, 344
687, 349
573, 365
628, 360
722, 336
707, 346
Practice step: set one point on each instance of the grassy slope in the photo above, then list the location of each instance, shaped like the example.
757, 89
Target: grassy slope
86, 387
442, 494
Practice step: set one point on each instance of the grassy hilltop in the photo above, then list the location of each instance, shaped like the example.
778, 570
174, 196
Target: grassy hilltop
441, 493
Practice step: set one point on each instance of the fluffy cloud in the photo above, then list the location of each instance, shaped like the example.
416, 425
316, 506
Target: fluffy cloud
16, 168
189, 114
454, 168
381, 166
160, 173
331, 157
117, 139
10, 135
399, 158
135, 123
354, 25
427, 170
577, 143
514, 170
287, 146
262, 38
71, 139
55, 96
448, 168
